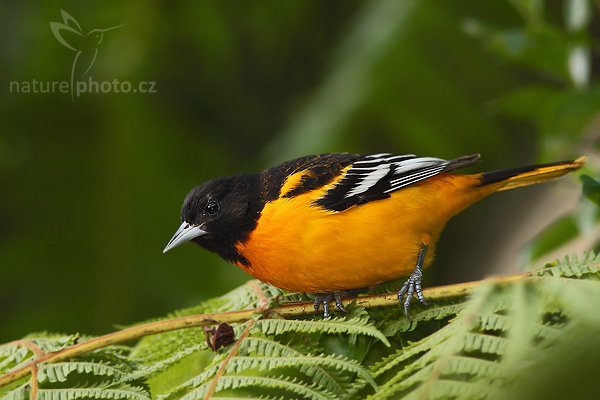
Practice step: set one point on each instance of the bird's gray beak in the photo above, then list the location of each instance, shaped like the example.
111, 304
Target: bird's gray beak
185, 233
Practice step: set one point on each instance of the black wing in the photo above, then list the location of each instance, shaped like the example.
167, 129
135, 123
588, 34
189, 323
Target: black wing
321, 169
375, 176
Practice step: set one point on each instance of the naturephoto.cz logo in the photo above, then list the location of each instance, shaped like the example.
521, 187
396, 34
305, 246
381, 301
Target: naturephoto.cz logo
85, 48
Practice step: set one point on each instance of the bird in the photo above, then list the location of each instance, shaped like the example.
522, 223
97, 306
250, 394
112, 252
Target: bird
333, 224
85, 45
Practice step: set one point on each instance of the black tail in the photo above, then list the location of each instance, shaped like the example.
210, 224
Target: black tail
531, 174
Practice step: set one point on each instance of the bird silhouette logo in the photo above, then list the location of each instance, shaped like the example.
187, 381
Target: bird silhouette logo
85, 45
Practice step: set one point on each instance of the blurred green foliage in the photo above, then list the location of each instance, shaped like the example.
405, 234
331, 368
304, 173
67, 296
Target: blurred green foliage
591, 188
92, 187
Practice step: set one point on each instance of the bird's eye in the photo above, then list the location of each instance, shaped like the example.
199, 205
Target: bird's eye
211, 207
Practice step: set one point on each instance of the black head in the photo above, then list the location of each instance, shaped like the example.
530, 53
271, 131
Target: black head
219, 213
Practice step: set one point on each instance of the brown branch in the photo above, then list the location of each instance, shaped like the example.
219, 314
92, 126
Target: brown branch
191, 321
232, 353
34, 382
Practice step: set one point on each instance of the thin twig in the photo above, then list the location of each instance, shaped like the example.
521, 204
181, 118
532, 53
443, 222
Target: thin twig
34, 382
191, 321
263, 301
232, 353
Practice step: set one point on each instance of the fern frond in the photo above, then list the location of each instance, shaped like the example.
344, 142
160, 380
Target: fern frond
20, 393
354, 326
116, 356
464, 371
572, 297
146, 371
267, 347
59, 372
271, 348
7, 350
453, 389
192, 383
478, 342
412, 350
99, 392
435, 312
13, 356
311, 366
158, 348
238, 364
52, 342
503, 329
572, 266
291, 386
426, 370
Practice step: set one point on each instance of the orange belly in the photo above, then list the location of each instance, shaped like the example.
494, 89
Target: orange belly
300, 247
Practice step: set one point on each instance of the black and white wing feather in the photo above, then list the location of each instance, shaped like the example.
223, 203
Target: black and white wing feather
375, 176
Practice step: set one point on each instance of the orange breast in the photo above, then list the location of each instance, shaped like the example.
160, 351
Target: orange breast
300, 247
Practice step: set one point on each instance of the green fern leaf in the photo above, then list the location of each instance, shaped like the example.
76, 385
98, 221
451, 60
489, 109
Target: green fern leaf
353, 326
572, 266
100, 392
271, 348
239, 364
20, 393
190, 384
311, 366
436, 312
268, 383
146, 371
59, 372
51, 342
13, 356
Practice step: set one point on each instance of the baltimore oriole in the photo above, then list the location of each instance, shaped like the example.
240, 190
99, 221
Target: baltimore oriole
330, 223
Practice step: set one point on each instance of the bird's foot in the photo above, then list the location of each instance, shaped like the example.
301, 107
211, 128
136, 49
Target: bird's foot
327, 298
412, 287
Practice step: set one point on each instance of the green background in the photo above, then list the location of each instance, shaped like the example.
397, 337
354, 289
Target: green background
91, 187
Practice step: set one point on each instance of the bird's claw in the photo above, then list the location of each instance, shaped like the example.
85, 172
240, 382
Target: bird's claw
411, 287
325, 299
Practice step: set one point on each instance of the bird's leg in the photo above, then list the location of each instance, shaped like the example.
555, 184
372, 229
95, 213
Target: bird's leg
412, 285
326, 298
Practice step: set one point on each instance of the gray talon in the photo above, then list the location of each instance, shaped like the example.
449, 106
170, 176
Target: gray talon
338, 302
412, 286
325, 299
